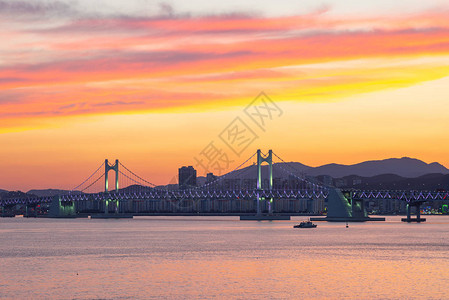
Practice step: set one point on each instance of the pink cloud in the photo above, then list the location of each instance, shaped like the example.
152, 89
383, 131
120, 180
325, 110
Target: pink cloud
67, 60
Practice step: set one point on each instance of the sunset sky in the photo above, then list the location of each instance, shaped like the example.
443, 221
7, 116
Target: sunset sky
154, 83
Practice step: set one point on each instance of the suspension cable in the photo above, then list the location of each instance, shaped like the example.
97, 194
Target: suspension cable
203, 186
87, 178
140, 183
223, 176
102, 175
302, 179
146, 181
302, 173
130, 178
296, 176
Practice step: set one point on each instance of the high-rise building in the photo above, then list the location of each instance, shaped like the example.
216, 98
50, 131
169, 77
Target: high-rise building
187, 177
210, 177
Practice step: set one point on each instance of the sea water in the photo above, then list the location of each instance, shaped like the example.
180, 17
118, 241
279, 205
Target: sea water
222, 257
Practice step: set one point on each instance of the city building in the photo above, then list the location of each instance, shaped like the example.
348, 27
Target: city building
187, 177
327, 180
210, 177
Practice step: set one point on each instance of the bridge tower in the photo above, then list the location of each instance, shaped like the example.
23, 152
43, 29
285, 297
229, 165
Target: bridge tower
268, 159
417, 205
108, 167
61, 209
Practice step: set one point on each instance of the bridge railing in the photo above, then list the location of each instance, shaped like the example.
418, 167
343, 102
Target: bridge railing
197, 194
155, 194
408, 196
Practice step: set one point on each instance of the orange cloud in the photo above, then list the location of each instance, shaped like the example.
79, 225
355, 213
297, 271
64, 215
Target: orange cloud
97, 66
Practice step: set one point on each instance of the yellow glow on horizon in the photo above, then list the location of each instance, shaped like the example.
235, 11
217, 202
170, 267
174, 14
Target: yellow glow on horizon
389, 123
154, 92
322, 82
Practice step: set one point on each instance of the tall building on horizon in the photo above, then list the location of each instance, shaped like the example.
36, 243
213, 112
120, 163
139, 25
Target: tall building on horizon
210, 177
187, 177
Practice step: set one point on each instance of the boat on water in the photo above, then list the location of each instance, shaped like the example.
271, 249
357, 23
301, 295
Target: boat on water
305, 224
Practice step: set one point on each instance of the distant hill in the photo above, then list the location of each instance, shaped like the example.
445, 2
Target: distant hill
392, 173
429, 182
135, 188
404, 167
280, 170
15, 194
201, 180
50, 192
2, 193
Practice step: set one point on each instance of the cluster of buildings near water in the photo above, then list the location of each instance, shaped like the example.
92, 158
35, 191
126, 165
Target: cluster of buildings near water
189, 180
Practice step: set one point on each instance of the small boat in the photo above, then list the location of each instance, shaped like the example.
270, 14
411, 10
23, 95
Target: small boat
305, 224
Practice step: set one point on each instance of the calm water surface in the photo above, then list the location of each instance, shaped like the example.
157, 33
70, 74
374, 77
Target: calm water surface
222, 257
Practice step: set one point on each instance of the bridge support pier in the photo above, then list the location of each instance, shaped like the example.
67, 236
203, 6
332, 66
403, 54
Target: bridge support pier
115, 215
115, 206
108, 167
62, 209
268, 159
344, 207
28, 213
259, 216
409, 218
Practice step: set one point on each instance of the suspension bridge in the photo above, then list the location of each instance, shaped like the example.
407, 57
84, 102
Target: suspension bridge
250, 190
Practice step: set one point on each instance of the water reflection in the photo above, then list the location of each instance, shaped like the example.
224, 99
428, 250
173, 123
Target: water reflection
204, 257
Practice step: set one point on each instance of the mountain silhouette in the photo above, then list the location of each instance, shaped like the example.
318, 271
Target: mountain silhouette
404, 167
394, 170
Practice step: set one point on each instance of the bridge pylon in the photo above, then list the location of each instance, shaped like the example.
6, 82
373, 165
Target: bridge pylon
108, 167
60, 209
261, 159
418, 219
